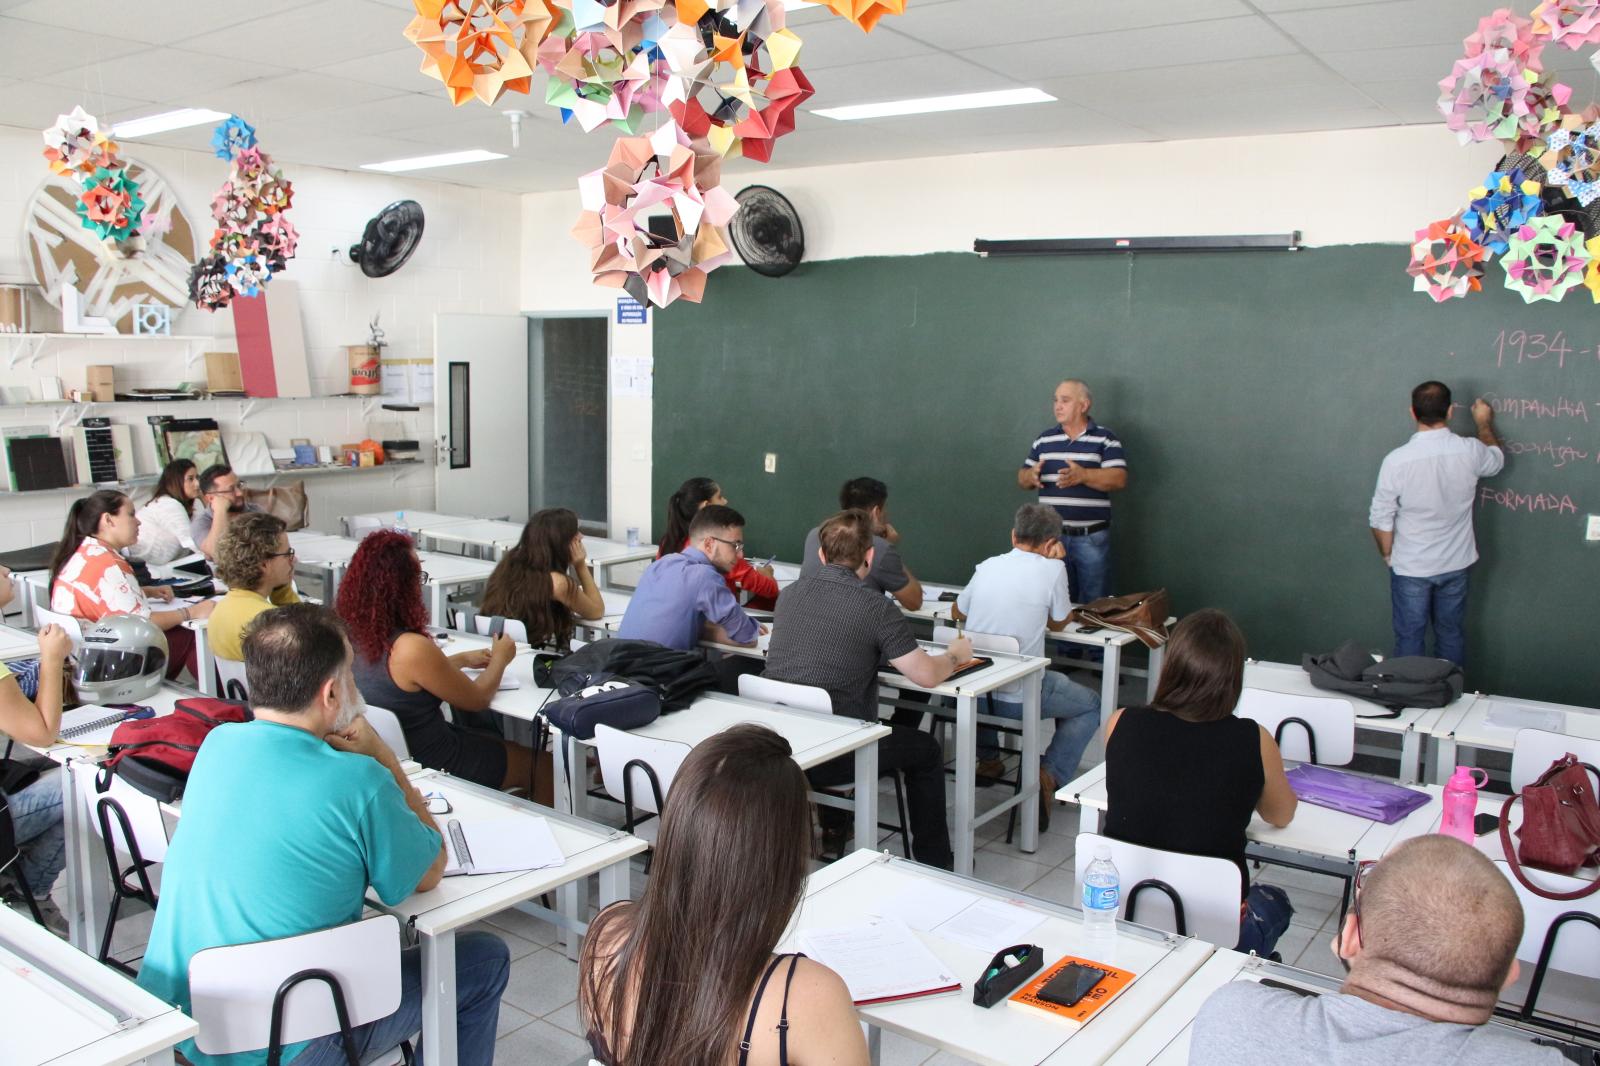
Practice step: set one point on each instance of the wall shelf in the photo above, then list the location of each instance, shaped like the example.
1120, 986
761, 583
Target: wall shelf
32, 345
290, 472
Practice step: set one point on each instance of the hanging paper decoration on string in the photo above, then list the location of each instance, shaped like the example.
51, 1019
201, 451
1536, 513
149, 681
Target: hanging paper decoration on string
1499, 207
232, 137
665, 174
1445, 261
254, 239
1508, 33
1545, 259
1591, 270
109, 204
480, 48
594, 82
1572, 159
76, 147
1569, 23
866, 13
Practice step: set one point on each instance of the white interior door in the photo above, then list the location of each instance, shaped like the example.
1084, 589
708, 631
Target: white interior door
481, 415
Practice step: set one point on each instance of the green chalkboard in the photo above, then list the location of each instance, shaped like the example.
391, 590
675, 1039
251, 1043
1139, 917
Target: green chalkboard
1256, 394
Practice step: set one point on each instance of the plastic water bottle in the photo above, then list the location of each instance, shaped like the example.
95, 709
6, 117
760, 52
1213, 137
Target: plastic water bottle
1102, 896
1461, 803
400, 526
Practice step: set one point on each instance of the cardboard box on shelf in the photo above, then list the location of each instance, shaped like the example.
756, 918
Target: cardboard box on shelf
223, 373
100, 382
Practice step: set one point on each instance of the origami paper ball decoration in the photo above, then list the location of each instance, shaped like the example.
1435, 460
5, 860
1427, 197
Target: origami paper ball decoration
233, 136
1445, 261
208, 283
1504, 31
110, 204
1569, 23
866, 13
480, 48
1501, 206
76, 147
1545, 105
1591, 270
666, 171
248, 272
278, 240
254, 239
594, 82
1573, 159
1546, 257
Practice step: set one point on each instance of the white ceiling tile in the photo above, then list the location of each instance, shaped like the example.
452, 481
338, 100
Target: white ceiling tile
291, 96
158, 23
1125, 92
901, 79
29, 50
1415, 60
168, 74
1393, 23
1272, 6
33, 106
318, 35
956, 26
1156, 47
399, 68
838, 43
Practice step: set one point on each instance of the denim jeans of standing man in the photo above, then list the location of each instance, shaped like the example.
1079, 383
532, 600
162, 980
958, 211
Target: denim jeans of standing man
1088, 566
483, 964
1441, 600
1076, 711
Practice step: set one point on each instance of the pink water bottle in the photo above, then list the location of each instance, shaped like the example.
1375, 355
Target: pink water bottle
1461, 803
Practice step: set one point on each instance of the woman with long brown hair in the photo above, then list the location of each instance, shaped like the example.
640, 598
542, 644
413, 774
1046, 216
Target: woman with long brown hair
544, 582
686, 975
164, 519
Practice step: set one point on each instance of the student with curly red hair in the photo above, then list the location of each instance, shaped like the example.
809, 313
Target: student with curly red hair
400, 668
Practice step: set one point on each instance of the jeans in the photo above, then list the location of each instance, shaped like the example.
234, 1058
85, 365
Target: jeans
917, 757
41, 837
1441, 599
1267, 911
483, 964
1088, 566
1076, 710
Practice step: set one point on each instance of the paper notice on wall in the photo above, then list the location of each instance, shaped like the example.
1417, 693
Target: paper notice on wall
422, 381
407, 381
631, 375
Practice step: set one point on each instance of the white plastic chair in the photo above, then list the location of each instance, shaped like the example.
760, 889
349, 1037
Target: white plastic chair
1207, 889
637, 772
486, 624
133, 839
1535, 749
351, 969
43, 616
235, 686
358, 526
1556, 934
387, 726
1314, 729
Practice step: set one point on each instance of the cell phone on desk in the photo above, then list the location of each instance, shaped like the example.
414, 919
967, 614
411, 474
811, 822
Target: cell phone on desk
1485, 823
949, 597
1074, 982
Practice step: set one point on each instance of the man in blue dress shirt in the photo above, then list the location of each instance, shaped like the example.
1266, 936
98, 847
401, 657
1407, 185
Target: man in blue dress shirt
682, 598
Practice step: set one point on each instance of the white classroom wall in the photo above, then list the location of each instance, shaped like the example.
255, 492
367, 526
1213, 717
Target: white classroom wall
468, 262
1340, 187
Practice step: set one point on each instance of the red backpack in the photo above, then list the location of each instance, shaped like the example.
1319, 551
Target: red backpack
155, 755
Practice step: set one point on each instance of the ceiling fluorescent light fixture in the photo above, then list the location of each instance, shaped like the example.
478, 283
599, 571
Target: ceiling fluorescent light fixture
182, 118
423, 162
930, 104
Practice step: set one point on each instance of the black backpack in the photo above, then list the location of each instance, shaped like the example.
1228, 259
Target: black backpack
1397, 683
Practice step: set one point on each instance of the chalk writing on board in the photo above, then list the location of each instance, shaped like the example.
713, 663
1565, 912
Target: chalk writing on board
1531, 503
1519, 346
1558, 454
1533, 407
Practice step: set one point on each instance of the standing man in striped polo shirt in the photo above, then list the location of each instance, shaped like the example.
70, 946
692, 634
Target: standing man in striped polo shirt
1075, 465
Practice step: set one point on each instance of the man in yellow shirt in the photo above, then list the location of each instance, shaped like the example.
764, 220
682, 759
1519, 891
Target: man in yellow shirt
256, 563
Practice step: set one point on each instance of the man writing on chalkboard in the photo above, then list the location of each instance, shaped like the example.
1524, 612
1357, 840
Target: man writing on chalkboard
1075, 465
1422, 520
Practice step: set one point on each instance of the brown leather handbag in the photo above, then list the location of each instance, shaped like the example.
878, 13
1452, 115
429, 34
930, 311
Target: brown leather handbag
1144, 614
1560, 826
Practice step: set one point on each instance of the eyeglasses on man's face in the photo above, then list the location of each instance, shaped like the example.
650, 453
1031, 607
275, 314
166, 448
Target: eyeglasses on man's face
736, 545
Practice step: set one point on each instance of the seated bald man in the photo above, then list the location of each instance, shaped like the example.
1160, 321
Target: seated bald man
1430, 945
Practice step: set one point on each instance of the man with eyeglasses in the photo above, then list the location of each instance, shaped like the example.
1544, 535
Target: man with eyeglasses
255, 561
1430, 945
682, 598
222, 497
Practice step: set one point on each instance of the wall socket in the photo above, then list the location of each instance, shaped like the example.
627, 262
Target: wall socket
769, 464
1591, 532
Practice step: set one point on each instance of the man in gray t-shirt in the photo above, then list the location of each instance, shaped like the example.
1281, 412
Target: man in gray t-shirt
1430, 945
888, 573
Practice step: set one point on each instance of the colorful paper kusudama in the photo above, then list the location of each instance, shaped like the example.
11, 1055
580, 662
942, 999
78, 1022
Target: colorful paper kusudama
1572, 24
1499, 207
480, 48
1573, 159
1445, 261
866, 13
1545, 258
254, 239
233, 136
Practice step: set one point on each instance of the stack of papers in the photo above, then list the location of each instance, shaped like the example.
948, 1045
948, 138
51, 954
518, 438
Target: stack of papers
880, 960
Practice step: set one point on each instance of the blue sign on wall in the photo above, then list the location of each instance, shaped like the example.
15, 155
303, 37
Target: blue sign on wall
631, 312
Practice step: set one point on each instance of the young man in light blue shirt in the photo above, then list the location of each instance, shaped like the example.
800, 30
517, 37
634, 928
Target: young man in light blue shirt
682, 598
287, 822
1021, 594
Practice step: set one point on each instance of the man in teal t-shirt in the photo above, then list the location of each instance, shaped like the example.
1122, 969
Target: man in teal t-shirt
287, 821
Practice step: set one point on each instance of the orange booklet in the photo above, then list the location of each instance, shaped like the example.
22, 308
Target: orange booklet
1109, 988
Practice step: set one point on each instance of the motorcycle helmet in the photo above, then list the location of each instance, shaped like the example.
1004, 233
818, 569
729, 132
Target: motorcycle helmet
123, 660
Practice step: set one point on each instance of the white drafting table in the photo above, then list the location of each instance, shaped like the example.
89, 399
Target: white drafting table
459, 901
445, 571
18, 643
1003, 1035
1466, 725
1411, 724
416, 521
491, 538
60, 1006
966, 691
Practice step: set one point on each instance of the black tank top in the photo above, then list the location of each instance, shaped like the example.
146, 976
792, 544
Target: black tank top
1183, 786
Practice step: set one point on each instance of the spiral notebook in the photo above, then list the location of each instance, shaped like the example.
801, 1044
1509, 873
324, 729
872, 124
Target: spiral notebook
880, 960
90, 725
499, 845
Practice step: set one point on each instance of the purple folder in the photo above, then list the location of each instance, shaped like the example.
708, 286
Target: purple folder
1380, 801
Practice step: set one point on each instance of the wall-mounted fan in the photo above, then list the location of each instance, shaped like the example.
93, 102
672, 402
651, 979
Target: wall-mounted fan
390, 238
1557, 199
766, 231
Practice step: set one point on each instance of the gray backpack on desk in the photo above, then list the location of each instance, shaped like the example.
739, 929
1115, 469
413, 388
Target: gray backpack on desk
1397, 683
588, 700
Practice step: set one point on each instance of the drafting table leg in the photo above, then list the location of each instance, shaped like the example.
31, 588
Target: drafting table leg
77, 870
572, 900
1088, 819
1445, 754
1032, 706
962, 833
1158, 655
1411, 756
615, 883
205, 665
437, 598
866, 798
1110, 675
874, 1044
439, 998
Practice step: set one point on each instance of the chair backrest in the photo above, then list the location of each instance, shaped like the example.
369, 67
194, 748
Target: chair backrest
1332, 722
143, 815
1535, 749
980, 641
43, 616
231, 989
619, 748
1209, 888
805, 697
358, 526
485, 624
386, 725
234, 684
1577, 945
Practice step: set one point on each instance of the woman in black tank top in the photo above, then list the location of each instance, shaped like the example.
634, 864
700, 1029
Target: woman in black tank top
686, 974
1185, 775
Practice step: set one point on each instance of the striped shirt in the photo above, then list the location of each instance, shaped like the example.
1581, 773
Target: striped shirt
1096, 448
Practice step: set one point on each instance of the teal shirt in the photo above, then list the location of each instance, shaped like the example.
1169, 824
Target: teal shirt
281, 834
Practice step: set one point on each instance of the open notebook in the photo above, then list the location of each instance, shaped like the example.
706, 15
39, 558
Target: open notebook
881, 960
508, 844
92, 725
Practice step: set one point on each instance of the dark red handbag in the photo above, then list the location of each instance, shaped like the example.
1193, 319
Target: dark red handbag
1560, 826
